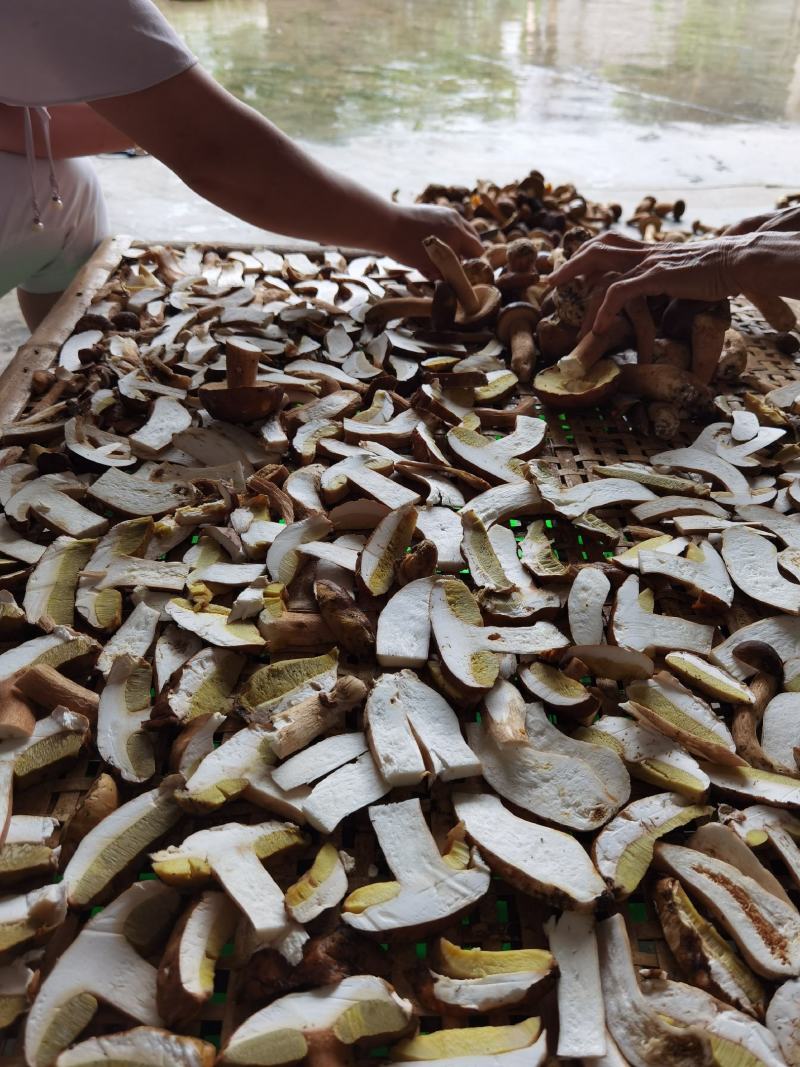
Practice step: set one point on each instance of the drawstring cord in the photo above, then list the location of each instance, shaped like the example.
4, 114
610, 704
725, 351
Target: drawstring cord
30, 153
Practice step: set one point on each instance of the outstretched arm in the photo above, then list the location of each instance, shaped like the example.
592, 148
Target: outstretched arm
231, 155
75, 130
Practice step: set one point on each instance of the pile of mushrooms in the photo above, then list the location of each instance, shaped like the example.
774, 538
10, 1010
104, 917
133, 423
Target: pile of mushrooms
284, 559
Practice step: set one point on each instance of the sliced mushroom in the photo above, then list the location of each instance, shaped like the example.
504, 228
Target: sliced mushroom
581, 1013
412, 731
497, 460
54, 743
328, 1022
643, 631
759, 824
558, 690
144, 1046
186, 972
712, 681
134, 495
649, 756
511, 1045
50, 497
18, 984
404, 627
213, 626
28, 850
752, 563
50, 592
17, 547
88, 971
430, 889
703, 954
783, 1020
31, 916
323, 886
91, 443
482, 981
136, 634
553, 776
623, 850
279, 686
350, 788
701, 570
595, 495
667, 706
755, 785
478, 551
123, 710
765, 927
780, 731
391, 537
203, 684
63, 645
102, 606
533, 858
645, 1036
442, 526
233, 854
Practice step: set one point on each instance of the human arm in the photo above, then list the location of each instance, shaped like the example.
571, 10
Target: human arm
233, 156
75, 130
762, 262
787, 220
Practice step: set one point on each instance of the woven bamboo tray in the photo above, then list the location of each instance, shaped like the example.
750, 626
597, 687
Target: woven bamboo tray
504, 918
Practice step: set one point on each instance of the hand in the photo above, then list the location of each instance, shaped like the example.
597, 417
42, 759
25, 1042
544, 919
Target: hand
786, 220
695, 270
412, 224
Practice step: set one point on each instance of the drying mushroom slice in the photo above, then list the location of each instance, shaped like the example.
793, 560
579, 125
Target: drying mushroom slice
89, 442
404, 626
17, 547
130, 572
623, 850
778, 633
194, 743
50, 592
28, 850
365, 474
173, 648
412, 731
786, 527
442, 526
326, 1023
233, 853
102, 607
186, 973
780, 731
592, 496
350, 627
50, 499
468, 649
672, 709
320, 759
670, 545
783, 1020
765, 927
558, 690
653, 479
539, 557
498, 460
134, 495
478, 551
89, 971
124, 708
585, 602
553, 776
63, 645
512, 1045
611, 661
31, 916
322, 886
204, 684
115, 842
54, 743
753, 784
703, 954
634, 627
279, 686
717, 438
735, 1038
143, 1046
701, 570
168, 417
430, 889
303, 488
535, 859
309, 435
390, 539
699, 461
752, 562
212, 625
712, 681
508, 501
137, 633
100, 800
649, 756
759, 824
283, 559
478, 980
18, 983
581, 1013
668, 507
722, 842
645, 1036
526, 599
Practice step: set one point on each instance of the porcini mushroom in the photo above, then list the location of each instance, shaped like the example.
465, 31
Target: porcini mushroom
581, 1012
481, 980
143, 1046
476, 303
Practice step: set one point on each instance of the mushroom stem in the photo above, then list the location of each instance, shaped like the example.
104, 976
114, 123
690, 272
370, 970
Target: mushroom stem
241, 367
399, 307
591, 348
46, 686
523, 352
448, 264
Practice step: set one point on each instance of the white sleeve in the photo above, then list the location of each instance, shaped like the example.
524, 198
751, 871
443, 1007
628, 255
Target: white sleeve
68, 51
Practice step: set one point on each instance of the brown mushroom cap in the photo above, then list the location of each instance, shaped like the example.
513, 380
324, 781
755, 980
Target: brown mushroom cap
519, 313
489, 302
246, 403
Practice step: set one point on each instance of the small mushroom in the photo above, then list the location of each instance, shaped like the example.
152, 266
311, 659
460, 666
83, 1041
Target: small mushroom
515, 328
477, 304
241, 398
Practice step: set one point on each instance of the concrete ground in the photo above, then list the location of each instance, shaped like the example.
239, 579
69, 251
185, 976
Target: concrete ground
148, 201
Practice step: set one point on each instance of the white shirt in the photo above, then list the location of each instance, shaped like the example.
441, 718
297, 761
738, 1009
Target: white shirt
71, 51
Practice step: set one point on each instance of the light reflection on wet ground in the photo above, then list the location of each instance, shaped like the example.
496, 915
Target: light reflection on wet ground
615, 92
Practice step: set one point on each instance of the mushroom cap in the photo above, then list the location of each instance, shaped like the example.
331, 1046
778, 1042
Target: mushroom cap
596, 385
244, 403
489, 298
520, 313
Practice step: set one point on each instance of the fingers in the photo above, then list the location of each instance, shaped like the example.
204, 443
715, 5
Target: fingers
468, 244
647, 282
611, 252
